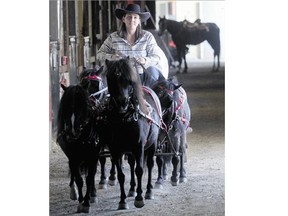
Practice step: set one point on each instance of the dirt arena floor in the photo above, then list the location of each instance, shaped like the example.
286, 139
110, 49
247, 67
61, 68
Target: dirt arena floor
203, 194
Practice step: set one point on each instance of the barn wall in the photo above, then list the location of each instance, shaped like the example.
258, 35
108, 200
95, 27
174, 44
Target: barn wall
214, 12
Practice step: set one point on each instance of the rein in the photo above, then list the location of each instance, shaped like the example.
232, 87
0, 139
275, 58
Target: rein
132, 116
148, 117
99, 92
150, 93
163, 125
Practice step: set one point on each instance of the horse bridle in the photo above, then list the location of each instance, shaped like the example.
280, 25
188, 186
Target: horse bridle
94, 96
113, 104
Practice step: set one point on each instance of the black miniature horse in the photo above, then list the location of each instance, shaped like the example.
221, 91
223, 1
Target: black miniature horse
133, 120
183, 35
95, 82
172, 141
76, 136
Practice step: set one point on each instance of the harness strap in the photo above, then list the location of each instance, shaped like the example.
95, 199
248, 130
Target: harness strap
94, 77
99, 92
176, 105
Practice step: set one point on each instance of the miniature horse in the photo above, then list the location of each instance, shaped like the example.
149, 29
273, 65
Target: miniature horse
133, 120
94, 81
76, 136
172, 141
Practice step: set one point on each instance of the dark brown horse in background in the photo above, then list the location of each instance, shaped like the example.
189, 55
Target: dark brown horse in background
185, 33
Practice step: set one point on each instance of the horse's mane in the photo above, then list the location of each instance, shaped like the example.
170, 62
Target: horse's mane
176, 26
130, 74
73, 101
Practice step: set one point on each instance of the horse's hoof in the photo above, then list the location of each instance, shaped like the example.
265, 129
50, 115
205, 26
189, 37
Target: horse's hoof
94, 199
103, 181
183, 180
83, 209
102, 186
174, 183
112, 182
165, 177
189, 130
139, 204
131, 194
122, 206
149, 196
158, 186
73, 193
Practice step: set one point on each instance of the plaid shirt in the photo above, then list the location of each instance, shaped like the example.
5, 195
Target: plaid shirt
145, 46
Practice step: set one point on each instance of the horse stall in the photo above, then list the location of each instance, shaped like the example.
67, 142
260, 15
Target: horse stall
77, 29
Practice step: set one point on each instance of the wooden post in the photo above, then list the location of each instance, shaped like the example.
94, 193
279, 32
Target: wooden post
79, 35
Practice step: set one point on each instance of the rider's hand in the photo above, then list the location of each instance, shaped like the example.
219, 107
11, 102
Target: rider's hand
141, 60
115, 56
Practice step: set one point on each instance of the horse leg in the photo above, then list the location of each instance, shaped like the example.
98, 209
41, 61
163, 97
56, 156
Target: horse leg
182, 178
73, 189
75, 171
139, 202
167, 160
185, 62
121, 179
218, 61
112, 178
85, 206
213, 68
174, 178
93, 191
150, 165
93, 196
103, 178
216, 57
131, 162
160, 179
175, 161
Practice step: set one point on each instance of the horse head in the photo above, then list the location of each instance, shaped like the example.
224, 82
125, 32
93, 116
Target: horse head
93, 81
162, 25
73, 112
124, 85
165, 92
